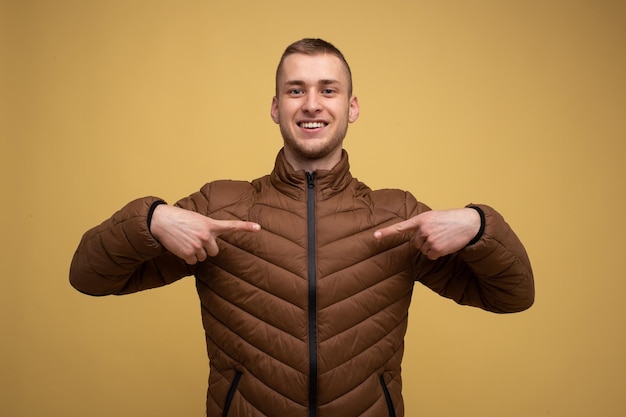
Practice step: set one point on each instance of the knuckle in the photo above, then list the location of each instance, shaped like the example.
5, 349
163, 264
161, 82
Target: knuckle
196, 247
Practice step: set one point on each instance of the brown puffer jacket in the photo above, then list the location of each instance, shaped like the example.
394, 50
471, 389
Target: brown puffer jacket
306, 317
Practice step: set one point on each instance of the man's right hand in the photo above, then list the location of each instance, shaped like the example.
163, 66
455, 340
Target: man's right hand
190, 235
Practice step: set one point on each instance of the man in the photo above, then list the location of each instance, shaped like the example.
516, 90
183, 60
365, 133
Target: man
305, 275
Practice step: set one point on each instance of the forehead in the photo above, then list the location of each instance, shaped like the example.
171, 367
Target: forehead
312, 68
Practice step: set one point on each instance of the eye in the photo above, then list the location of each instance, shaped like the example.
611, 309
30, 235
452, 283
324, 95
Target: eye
296, 91
328, 91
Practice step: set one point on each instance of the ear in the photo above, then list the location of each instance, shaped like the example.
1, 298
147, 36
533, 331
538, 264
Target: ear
274, 110
353, 111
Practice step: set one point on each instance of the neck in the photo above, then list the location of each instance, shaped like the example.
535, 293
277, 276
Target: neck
299, 163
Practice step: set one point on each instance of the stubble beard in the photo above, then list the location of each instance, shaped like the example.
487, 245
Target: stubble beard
315, 150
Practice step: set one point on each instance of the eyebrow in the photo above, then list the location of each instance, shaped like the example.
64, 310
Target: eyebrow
301, 83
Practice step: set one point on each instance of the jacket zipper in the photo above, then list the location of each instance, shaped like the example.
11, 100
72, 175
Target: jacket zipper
312, 278
392, 411
231, 393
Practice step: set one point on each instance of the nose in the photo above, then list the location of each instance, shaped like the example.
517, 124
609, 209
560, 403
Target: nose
311, 103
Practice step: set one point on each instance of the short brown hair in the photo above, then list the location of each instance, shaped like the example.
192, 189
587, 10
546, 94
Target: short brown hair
313, 46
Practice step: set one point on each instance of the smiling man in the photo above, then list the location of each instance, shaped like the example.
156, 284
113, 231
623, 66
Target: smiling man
313, 106
305, 276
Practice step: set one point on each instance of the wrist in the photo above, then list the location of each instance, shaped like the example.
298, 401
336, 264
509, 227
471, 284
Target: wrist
481, 229
150, 216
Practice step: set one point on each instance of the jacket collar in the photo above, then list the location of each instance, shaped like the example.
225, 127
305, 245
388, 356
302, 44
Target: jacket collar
294, 183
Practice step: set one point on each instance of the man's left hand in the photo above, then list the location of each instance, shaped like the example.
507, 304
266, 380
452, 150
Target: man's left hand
438, 232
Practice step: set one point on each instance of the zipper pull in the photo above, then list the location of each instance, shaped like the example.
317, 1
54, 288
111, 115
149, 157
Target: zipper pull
310, 178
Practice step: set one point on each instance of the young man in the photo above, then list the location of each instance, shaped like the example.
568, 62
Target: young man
305, 275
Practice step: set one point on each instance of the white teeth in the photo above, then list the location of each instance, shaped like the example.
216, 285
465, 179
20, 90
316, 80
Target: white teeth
311, 125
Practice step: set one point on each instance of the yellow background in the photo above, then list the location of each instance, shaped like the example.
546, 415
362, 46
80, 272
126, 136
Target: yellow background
519, 104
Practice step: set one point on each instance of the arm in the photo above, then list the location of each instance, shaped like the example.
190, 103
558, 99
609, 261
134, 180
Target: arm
121, 255
501, 278
147, 244
493, 272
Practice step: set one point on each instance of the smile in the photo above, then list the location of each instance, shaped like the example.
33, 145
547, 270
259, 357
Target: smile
311, 125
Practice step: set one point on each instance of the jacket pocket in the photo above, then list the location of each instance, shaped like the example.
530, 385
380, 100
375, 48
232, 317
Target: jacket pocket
231, 393
383, 384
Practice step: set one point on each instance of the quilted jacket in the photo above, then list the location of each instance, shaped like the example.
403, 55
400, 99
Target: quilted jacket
306, 317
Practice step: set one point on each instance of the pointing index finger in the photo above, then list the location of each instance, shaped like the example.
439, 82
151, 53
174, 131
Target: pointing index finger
244, 226
395, 229
226, 226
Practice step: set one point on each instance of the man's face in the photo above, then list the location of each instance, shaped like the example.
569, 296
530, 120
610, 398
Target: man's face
313, 108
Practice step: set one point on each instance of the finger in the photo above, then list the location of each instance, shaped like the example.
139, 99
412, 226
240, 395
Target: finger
431, 249
227, 226
428, 251
220, 227
201, 255
396, 229
190, 260
420, 243
211, 248
431, 254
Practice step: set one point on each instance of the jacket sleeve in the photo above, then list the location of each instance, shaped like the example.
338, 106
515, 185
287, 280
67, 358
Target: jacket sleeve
121, 256
493, 273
